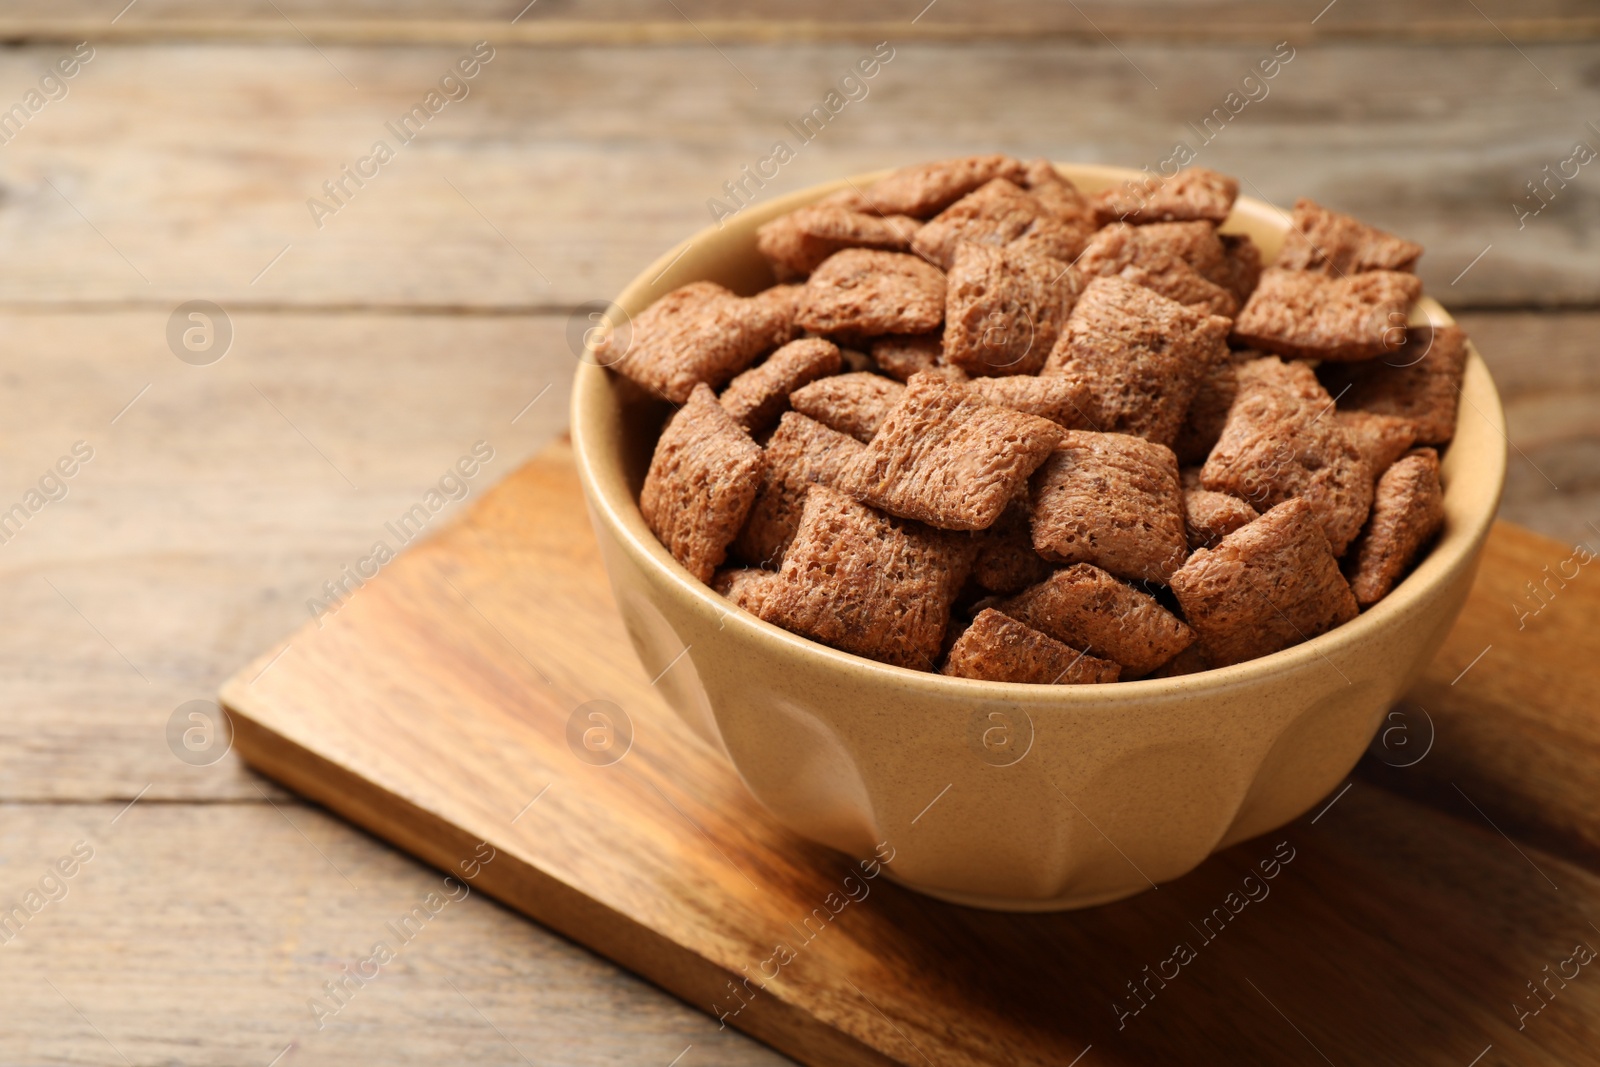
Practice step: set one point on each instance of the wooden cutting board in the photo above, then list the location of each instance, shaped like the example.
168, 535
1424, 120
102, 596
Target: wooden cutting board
1407, 920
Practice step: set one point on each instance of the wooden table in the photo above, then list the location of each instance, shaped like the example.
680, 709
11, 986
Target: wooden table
431, 311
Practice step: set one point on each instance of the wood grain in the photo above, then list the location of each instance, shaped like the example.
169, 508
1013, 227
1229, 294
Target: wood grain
172, 172
612, 21
198, 933
215, 507
433, 710
1515, 732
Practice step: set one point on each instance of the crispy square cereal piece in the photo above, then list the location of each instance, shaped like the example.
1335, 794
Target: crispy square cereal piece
926, 189
1407, 511
1308, 315
1192, 193
1208, 413
1281, 441
999, 214
1004, 309
1061, 400
1122, 244
997, 648
802, 453
1006, 561
901, 356
864, 292
1326, 241
701, 333
1140, 355
1087, 608
1059, 196
854, 403
701, 483
1381, 439
797, 243
758, 396
745, 586
1421, 382
1112, 500
947, 458
1176, 280
1265, 587
868, 583
1209, 517
1240, 271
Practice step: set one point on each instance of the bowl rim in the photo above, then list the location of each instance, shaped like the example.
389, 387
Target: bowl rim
613, 504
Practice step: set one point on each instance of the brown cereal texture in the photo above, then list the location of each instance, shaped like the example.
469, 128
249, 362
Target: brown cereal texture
701, 483
745, 586
1381, 439
702, 333
1281, 441
1087, 608
1192, 193
1197, 243
999, 214
1058, 195
864, 292
1209, 517
867, 583
924, 190
1111, 500
797, 243
1326, 241
757, 397
1240, 271
855, 403
996, 648
1004, 309
1006, 561
1140, 355
1407, 511
802, 453
1265, 587
947, 458
1308, 315
904, 355
1208, 413
1420, 382
1061, 400
1176, 280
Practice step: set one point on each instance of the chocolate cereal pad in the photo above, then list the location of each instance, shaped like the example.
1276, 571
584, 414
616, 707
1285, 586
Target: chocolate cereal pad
984, 422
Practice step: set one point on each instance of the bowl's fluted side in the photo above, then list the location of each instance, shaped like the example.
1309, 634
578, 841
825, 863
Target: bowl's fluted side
1025, 797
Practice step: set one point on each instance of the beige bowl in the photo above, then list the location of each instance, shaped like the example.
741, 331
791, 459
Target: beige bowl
998, 795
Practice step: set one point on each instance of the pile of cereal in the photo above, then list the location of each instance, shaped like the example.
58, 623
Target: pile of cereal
989, 425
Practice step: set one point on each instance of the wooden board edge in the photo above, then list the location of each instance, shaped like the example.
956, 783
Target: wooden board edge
526, 889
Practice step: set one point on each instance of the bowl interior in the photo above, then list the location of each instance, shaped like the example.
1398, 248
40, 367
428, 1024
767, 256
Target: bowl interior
615, 425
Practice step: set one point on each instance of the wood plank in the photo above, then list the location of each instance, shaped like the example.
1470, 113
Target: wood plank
172, 172
436, 721
215, 507
199, 933
613, 21
205, 522
1550, 382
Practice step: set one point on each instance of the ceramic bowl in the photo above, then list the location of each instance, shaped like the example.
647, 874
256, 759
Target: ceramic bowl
999, 795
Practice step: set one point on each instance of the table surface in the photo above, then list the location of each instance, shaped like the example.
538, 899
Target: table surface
430, 308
